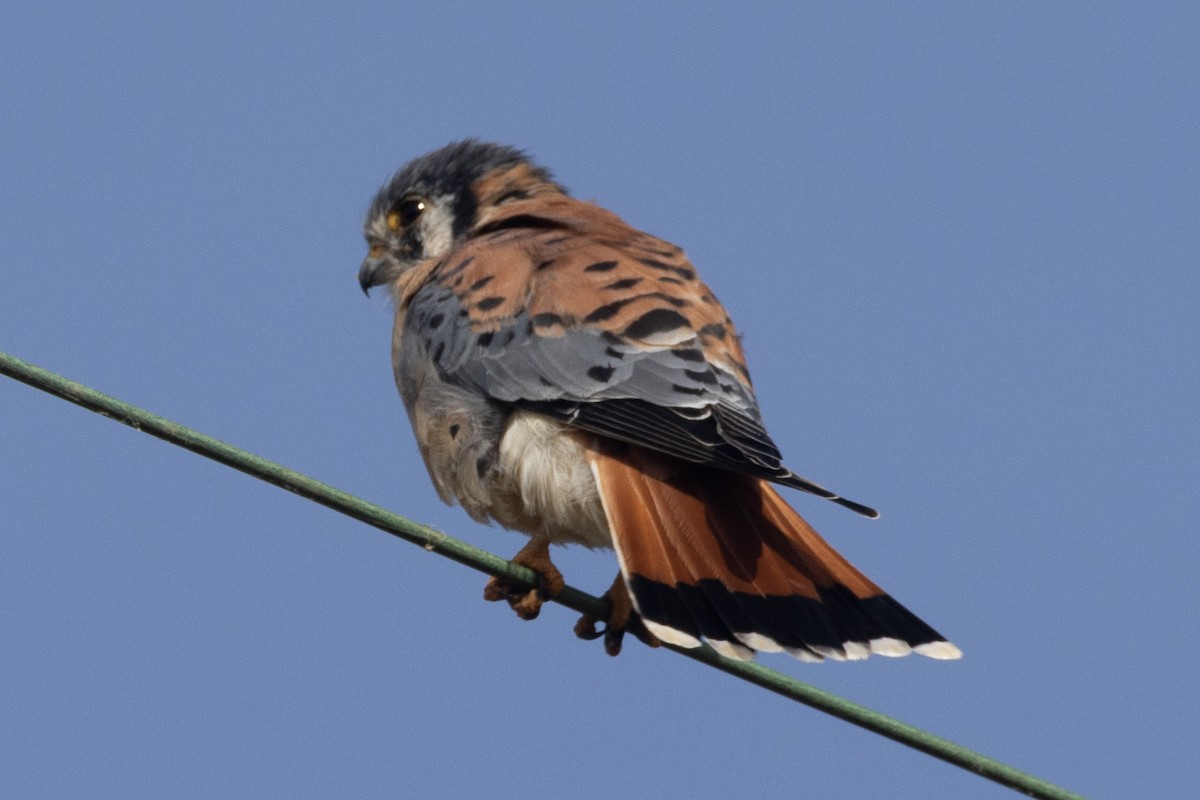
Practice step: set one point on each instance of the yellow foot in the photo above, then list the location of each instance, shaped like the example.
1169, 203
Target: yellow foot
528, 602
621, 618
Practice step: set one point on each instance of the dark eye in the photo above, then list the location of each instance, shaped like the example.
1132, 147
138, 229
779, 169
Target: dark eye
405, 213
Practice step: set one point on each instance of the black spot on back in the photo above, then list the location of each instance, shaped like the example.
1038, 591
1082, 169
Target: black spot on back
545, 264
458, 267
488, 303
546, 319
601, 266
715, 330
678, 302
436, 320
688, 354
479, 284
601, 373
608, 310
517, 221
683, 272
658, 320
485, 339
454, 431
624, 283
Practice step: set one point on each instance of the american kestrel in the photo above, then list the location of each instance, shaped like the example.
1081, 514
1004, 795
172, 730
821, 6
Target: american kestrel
571, 377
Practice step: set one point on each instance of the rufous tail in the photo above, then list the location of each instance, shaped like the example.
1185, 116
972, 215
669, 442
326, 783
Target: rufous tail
716, 557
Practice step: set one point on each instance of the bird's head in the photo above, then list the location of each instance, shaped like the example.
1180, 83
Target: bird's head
434, 203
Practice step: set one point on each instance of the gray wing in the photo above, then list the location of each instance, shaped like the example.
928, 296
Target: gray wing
667, 398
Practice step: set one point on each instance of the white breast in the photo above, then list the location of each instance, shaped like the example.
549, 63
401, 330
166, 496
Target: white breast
544, 484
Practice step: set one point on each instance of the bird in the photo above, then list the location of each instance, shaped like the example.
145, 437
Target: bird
571, 377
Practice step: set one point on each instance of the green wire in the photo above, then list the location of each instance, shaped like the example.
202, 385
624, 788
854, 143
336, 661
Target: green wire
438, 542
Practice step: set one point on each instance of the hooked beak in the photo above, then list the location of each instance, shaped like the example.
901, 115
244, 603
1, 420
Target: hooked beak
373, 272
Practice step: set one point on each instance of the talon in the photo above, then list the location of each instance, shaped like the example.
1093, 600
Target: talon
495, 590
528, 602
527, 606
613, 637
585, 628
622, 619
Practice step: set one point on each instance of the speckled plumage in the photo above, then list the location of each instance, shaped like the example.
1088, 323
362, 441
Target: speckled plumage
573, 378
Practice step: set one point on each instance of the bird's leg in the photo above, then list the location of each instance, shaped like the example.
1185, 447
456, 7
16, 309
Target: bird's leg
621, 618
528, 603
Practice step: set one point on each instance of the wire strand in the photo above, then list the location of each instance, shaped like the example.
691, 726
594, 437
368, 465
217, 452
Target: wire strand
437, 542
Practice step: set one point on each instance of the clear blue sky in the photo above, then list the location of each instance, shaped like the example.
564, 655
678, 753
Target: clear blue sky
961, 244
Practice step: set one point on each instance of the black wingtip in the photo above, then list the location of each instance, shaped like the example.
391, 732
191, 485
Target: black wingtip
789, 478
857, 508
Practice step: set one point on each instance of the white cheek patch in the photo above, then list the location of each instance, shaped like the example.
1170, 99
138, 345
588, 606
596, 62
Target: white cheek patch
437, 228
